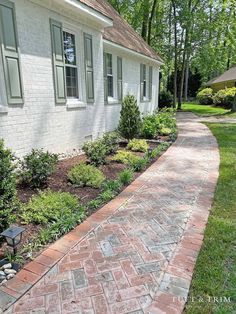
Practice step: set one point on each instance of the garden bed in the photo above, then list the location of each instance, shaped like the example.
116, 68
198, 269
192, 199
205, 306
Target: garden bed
58, 182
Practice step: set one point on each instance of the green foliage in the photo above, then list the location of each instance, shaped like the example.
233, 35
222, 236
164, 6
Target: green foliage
112, 185
48, 207
157, 123
225, 97
149, 126
157, 151
37, 167
94, 204
205, 96
107, 195
96, 152
124, 156
111, 141
165, 131
130, 120
7, 186
126, 176
137, 145
165, 99
138, 163
86, 175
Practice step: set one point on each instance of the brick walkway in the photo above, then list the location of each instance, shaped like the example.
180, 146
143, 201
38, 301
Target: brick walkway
139, 251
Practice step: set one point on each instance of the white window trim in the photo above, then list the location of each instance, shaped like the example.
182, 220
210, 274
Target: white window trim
80, 102
147, 98
113, 100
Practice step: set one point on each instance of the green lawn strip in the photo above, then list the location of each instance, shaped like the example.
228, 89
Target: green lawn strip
206, 110
215, 271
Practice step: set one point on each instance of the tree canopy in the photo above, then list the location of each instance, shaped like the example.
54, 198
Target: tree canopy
197, 36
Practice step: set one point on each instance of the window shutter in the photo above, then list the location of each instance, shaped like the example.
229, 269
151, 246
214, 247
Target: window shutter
10, 52
88, 52
119, 79
105, 77
150, 83
141, 81
58, 61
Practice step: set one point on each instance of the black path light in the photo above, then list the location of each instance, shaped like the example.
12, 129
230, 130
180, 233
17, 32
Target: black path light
13, 236
150, 151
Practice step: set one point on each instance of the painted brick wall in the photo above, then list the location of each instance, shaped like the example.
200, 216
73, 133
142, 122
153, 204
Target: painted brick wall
40, 123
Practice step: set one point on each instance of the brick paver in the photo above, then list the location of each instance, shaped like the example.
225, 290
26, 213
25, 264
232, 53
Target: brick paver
137, 254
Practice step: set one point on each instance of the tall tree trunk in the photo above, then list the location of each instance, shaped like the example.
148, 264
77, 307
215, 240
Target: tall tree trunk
176, 53
186, 79
150, 20
145, 20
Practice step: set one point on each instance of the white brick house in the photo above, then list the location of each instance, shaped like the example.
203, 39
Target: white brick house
64, 67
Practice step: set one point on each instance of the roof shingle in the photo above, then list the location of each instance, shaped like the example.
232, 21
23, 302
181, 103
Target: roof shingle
121, 32
229, 75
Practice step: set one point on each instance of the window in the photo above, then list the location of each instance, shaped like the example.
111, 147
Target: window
119, 79
150, 83
70, 65
109, 75
10, 52
143, 82
88, 52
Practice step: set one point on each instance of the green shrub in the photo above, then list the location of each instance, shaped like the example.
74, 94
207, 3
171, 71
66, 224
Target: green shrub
111, 141
137, 145
138, 164
125, 176
96, 152
165, 99
165, 119
37, 167
94, 204
165, 131
86, 175
112, 185
130, 120
124, 157
205, 96
149, 126
48, 207
225, 97
7, 186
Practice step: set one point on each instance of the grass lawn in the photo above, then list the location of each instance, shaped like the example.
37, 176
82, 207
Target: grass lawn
205, 110
215, 272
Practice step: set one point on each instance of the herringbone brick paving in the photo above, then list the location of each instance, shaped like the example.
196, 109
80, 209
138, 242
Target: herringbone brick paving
139, 260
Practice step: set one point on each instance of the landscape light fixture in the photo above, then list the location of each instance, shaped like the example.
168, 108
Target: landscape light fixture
13, 236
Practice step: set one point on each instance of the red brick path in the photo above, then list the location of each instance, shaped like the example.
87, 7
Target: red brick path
137, 254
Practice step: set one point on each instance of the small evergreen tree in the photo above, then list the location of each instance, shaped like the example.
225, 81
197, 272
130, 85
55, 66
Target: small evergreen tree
130, 120
7, 186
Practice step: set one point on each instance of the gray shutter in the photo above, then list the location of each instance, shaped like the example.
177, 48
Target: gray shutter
141, 81
10, 52
150, 83
88, 53
58, 62
119, 79
105, 76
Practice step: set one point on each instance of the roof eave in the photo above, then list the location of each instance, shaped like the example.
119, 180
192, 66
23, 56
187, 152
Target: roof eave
133, 52
88, 11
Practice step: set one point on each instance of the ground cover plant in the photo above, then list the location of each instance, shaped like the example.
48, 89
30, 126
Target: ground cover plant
215, 271
138, 145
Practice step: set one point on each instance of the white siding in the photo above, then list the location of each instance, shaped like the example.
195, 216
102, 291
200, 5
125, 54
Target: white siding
39, 122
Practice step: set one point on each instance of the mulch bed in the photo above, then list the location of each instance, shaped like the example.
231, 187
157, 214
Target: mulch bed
58, 182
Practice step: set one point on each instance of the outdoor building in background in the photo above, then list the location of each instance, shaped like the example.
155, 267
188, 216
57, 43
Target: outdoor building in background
65, 67
226, 80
